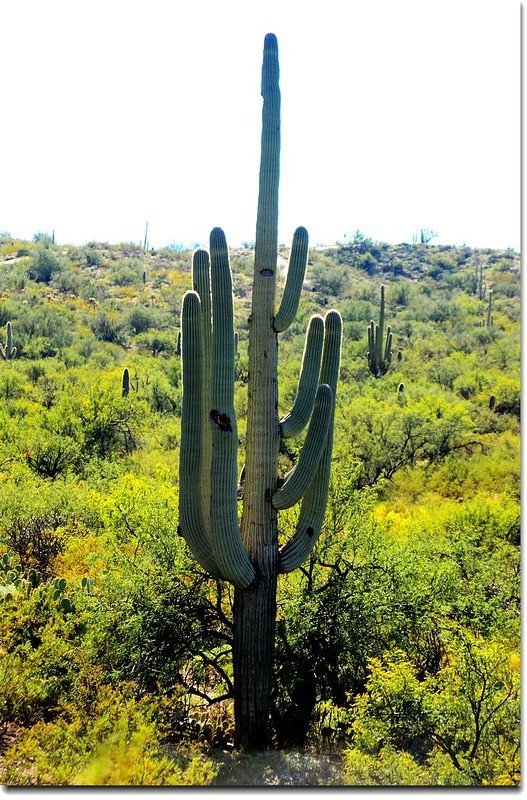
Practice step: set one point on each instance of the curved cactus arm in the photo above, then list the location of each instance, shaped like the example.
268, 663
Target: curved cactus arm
388, 349
8, 352
294, 281
201, 284
314, 503
300, 477
294, 422
227, 546
191, 517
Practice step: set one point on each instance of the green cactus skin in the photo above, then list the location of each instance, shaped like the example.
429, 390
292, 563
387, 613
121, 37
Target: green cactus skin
490, 316
7, 351
379, 359
228, 549
301, 476
313, 507
192, 518
247, 553
125, 391
294, 281
295, 422
201, 284
479, 282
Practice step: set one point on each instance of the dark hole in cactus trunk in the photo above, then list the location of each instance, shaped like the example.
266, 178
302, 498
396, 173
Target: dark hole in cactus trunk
310, 532
223, 421
266, 273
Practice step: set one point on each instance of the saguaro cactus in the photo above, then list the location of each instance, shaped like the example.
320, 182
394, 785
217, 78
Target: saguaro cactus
7, 351
125, 386
248, 553
489, 321
379, 352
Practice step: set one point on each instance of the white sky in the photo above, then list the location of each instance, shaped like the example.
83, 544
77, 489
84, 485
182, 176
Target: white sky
396, 115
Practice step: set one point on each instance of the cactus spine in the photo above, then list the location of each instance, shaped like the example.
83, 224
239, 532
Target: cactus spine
248, 553
379, 353
7, 351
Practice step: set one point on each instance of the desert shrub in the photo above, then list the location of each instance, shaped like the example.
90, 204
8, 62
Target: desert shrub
43, 265
11, 383
139, 320
51, 455
92, 257
118, 742
107, 328
44, 331
157, 342
461, 727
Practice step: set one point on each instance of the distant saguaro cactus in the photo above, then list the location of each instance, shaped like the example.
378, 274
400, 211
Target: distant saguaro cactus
7, 351
379, 351
490, 316
126, 383
249, 554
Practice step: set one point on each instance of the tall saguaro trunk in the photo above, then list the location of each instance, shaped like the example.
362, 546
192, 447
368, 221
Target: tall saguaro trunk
249, 556
255, 607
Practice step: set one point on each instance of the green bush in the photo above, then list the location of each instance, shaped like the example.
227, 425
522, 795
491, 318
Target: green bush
43, 265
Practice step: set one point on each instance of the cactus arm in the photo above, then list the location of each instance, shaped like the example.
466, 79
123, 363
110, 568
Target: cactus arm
294, 422
313, 507
227, 546
201, 283
294, 281
191, 514
388, 349
301, 476
8, 352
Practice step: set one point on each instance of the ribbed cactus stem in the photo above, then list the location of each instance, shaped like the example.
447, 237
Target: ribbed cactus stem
7, 351
379, 351
380, 330
295, 422
314, 504
490, 317
229, 552
201, 284
294, 281
303, 473
192, 519
259, 517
